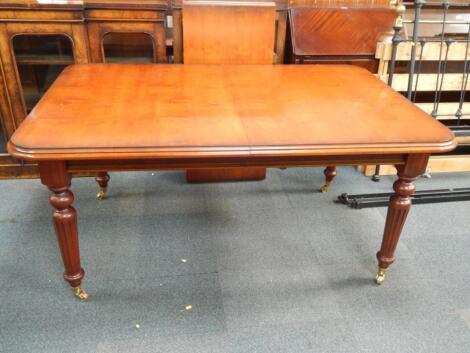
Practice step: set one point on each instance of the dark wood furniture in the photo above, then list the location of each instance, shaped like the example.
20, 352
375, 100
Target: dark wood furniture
346, 34
210, 116
228, 32
34, 36
39, 38
128, 31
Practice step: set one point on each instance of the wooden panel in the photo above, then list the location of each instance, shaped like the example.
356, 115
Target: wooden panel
339, 3
430, 52
127, 4
338, 31
97, 30
177, 36
427, 82
445, 108
281, 31
280, 4
125, 15
437, 164
42, 4
227, 33
225, 174
7, 15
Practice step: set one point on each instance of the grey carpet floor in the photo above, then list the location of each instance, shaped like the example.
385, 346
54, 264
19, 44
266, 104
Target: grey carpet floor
270, 266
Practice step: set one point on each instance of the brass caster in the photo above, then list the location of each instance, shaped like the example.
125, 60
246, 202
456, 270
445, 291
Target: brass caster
101, 194
80, 293
325, 187
379, 278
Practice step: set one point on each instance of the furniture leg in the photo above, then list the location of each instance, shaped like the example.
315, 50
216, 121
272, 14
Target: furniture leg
55, 176
399, 206
330, 173
102, 179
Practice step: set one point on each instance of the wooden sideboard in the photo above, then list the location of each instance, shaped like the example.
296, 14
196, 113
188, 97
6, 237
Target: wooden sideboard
38, 39
346, 32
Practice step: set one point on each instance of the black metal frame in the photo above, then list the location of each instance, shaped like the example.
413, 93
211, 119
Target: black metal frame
419, 197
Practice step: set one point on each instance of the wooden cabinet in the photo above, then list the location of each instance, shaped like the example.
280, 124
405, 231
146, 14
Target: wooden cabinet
39, 38
328, 33
126, 31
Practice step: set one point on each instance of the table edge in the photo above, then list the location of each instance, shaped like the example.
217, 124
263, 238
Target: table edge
29, 154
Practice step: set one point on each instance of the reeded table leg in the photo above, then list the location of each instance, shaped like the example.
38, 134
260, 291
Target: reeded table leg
102, 179
398, 208
54, 175
330, 173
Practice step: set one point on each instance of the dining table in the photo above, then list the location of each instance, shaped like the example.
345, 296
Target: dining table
97, 118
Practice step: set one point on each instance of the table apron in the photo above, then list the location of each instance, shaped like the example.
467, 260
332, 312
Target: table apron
76, 166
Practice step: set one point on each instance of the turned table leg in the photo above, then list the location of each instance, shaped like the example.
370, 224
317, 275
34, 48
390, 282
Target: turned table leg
102, 179
55, 176
398, 208
330, 173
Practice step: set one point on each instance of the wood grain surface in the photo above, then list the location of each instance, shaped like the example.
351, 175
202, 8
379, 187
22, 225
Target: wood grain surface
338, 31
222, 32
96, 111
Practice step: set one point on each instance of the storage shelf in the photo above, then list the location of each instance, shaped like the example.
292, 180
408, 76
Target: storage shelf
130, 59
26, 59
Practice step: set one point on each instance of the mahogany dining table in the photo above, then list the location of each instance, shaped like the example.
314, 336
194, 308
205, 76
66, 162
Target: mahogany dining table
118, 117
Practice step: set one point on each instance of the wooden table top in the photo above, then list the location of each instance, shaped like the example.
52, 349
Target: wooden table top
97, 111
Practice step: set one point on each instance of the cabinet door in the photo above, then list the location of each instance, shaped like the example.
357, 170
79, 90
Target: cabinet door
130, 42
40, 59
128, 48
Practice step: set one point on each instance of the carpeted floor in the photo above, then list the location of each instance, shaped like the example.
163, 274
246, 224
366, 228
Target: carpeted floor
269, 266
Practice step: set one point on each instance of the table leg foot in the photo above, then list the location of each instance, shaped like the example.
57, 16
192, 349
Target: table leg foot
398, 208
102, 179
80, 293
330, 173
101, 194
379, 278
58, 179
325, 187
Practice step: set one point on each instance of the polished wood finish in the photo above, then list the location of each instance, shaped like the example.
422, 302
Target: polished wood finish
177, 35
225, 116
345, 32
222, 32
302, 109
338, 34
84, 24
226, 174
281, 21
56, 177
102, 178
125, 17
330, 173
399, 206
227, 33
19, 17
339, 3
